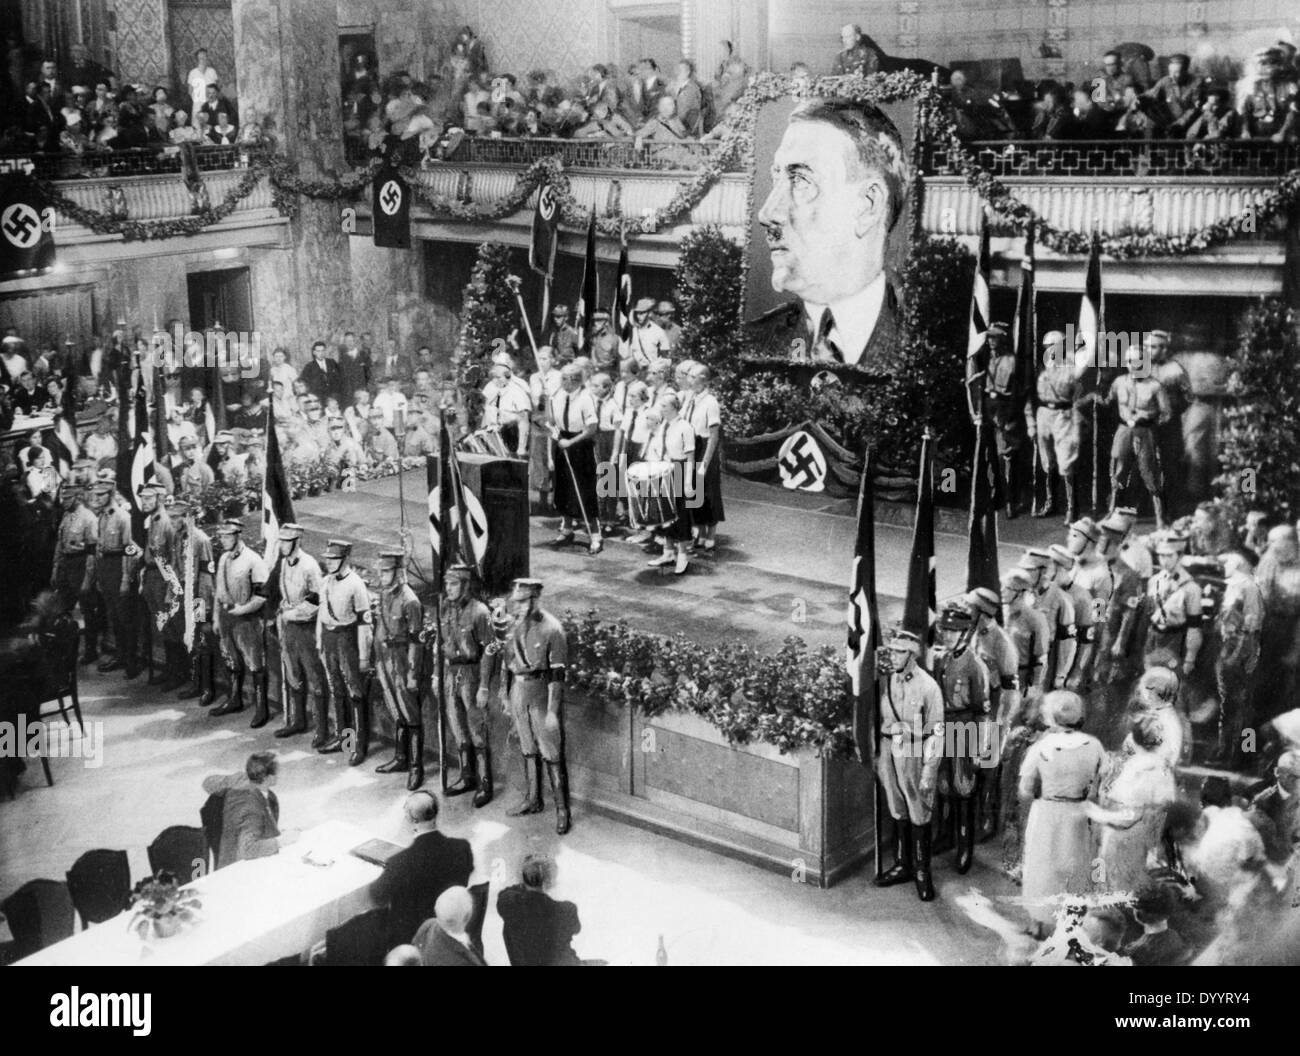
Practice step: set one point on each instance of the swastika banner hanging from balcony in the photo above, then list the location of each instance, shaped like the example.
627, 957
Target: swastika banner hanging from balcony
391, 210
26, 229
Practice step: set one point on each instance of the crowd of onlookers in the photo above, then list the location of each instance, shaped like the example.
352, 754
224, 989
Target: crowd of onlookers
77, 106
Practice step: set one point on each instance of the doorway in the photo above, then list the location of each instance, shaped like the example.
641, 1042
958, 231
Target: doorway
222, 298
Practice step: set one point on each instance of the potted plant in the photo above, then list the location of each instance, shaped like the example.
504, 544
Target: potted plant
162, 906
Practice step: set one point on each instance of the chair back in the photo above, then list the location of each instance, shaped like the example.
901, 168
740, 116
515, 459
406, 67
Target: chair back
359, 942
39, 914
59, 645
182, 850
212, 816
100, 883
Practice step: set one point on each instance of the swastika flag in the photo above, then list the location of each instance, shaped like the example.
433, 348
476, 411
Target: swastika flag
391, 210
26, 228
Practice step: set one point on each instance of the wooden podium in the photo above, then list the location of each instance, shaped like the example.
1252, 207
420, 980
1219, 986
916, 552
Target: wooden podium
501, 487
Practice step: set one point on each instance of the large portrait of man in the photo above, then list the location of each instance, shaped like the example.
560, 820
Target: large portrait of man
828, 236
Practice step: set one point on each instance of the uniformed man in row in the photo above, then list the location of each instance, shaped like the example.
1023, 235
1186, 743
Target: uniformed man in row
159, 584
464, 637
1143, 408
113, 571
1028, 630
194, 562
1059, 613
536, 664
993, 645
1054, 424
399, 619
1173, 379
1092, 576
1081, 608
908, 753
73, 578
343, 634
1003, 402
240, 597
967, 720
298, 587
1173, 610
1237, 629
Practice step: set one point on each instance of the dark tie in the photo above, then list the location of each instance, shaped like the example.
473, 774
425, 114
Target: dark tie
824, 345
567, 400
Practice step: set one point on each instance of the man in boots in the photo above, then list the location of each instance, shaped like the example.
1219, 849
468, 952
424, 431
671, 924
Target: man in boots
994, 647
157, 592
299, 590
113, 568
398, 621
74, 574
241, 593
1144, 408
1003, 401
536, 658
343, 634
193, 561
908, 751
1054, 423
964, 680
464, 636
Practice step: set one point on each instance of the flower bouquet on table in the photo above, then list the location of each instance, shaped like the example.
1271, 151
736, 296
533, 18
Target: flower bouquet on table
161, 906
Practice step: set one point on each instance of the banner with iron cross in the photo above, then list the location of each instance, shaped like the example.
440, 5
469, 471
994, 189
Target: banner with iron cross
391, 210
26, 228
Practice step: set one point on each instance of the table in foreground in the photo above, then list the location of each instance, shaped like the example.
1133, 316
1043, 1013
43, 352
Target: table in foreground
253, 911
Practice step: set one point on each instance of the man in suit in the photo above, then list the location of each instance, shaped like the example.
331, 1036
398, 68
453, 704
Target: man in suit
538, 930
321, 375
1275, 812
444, 941
354, 367
839, 177
250, 820
414, 879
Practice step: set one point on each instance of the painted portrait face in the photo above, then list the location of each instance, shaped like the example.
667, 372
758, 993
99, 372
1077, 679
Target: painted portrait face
819, 212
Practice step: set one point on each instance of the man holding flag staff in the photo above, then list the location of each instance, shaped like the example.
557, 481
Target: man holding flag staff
241, 594
343, 633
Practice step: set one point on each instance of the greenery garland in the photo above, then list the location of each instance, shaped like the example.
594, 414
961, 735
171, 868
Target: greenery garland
145, 230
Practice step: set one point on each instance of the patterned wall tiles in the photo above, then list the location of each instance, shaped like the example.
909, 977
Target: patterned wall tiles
143, 54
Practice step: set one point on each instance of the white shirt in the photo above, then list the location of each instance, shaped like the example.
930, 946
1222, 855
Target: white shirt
542, 388
703, 412
634, 425
855, 319
389, 403
674, 441
197, 80
503, 403
646, 344
574, 411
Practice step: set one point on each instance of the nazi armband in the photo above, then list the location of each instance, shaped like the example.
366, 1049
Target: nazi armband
1066, 634
1087, 635
1193, 620
1010, 683
259, 589
556, 674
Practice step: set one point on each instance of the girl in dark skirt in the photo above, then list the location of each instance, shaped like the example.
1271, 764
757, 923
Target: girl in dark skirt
705, 418
674, 441
574, 457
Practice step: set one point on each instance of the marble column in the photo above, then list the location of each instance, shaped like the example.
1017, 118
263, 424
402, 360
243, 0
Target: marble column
286, 53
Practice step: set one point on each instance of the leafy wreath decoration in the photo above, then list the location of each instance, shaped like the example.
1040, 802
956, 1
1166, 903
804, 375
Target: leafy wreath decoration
736, 147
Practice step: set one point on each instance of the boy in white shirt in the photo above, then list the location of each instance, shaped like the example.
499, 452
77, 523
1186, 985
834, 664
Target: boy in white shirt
390, 401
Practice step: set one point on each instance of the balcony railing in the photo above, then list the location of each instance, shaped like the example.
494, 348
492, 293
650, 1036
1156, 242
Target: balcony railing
1145, 159
141, 161
687, 155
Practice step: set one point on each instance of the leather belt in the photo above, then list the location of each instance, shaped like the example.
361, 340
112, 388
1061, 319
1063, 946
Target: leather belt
462, 663
529, 676
1064, 799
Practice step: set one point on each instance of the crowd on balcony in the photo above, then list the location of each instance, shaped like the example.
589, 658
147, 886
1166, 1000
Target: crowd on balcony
1128, 100
78, 107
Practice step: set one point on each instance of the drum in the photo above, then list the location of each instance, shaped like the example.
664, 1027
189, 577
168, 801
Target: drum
472, 443
650, 490
493, 441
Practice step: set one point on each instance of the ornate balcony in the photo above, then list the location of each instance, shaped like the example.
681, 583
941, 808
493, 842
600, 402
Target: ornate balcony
148, 185
1161, 188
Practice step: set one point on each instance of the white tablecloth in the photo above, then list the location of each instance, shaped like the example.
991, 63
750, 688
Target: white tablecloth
253, 911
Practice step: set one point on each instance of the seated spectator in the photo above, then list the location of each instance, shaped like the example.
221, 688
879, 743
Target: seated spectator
732, 81
1107, 90
201, 125
537, 929
415, 877
101, 444
343, 454
1089, 120
381, 447
26, 398
215, 104
647, 89
182, 131
158, 128
131, 133
223, 133
159, 104
604, 124
664, 127
418, 440
1135, 122
390, 401
1052, 118
283, 407
357, 416
82, 69
101, 105
444, 941
1215, 118
250, 820
1176, 96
